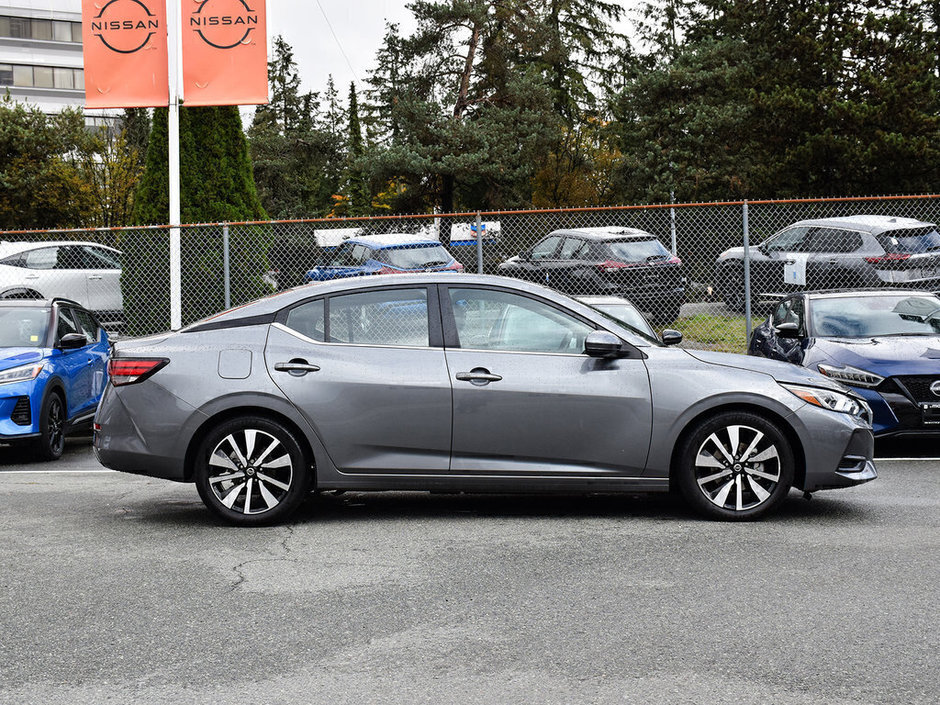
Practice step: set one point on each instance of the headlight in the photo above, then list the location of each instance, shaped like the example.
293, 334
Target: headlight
851, 375
23, 373
829, 399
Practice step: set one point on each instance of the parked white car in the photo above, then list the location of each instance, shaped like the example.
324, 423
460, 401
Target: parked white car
85, 272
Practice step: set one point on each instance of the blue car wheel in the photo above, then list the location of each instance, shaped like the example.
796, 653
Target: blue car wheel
52, 427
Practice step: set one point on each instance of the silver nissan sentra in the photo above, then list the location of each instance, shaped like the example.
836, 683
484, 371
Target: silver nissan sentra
470, 383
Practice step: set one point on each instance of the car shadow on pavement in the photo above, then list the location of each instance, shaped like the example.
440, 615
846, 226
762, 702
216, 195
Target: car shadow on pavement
16, 456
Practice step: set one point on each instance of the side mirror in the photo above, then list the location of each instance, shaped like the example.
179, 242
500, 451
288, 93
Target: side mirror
671, 337
72, 341
601, 343
788, 330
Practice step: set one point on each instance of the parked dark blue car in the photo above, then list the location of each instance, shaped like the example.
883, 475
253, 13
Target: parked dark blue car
53, 370
393, 253
883, 343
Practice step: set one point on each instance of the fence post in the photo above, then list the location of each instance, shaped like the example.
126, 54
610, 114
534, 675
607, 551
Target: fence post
226, 267
747, 277
479, 245
672, 221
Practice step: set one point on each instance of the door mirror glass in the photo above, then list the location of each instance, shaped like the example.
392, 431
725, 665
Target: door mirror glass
601, 343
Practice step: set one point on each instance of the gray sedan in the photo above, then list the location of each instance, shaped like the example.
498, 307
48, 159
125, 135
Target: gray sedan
486, 384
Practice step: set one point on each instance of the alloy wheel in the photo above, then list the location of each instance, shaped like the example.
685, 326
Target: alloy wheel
737, 467
250, 471
55, 425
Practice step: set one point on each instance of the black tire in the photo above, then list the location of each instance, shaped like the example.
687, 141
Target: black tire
21, 293
735, 466
252, 471
52, 421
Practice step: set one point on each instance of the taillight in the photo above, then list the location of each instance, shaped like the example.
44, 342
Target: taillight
889, 257
673, 260
128, 370
611, 266
387, 270
455, 267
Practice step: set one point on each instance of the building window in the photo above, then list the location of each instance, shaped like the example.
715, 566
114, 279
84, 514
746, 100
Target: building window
41, 77
43, 30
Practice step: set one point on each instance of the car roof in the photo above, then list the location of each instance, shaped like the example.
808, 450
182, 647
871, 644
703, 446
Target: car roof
389, 240
608, 232
289, 297
11, 248
37, 303
874, 224
867, 293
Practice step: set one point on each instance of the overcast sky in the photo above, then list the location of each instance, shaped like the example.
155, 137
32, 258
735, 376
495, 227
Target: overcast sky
358, 25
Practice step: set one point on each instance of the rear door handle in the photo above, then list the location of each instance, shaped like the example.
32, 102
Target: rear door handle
94, 276
478, 376
297, 368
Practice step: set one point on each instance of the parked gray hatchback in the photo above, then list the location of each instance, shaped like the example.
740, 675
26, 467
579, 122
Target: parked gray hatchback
486, 384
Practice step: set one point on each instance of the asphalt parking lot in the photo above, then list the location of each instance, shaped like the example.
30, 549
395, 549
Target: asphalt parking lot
115, 588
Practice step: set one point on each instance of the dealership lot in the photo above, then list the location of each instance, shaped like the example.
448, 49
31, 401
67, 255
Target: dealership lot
125, 588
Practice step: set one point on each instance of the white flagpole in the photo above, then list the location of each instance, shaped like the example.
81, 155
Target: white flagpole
174, 39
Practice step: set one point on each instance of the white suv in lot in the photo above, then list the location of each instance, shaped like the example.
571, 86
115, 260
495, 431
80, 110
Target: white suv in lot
85, 272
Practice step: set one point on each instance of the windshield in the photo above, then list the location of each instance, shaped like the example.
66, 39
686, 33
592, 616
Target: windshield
415, 256
625, 313
911, 241
863, 317
637, 250
23, 327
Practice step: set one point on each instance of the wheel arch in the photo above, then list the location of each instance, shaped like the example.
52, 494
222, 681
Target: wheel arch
21, 292
234, 412
799, 456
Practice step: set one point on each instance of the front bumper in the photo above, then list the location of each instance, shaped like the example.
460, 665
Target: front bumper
12, 405
838, 449
896, 414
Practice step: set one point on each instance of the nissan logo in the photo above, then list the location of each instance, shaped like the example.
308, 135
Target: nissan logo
935, 387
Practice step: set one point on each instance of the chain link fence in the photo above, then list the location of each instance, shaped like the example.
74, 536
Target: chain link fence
696, 268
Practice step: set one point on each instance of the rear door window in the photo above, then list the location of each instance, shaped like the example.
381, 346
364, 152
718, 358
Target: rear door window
546, 248
415, 256
833, 240
387, 317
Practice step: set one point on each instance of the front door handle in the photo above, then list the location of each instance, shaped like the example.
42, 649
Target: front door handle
478, 376
94, 277
297, 368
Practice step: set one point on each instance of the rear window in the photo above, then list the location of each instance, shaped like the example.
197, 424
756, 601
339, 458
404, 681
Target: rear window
636, 250
415, 256
914, 241
23, 327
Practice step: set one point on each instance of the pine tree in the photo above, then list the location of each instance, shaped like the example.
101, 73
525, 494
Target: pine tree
216, 185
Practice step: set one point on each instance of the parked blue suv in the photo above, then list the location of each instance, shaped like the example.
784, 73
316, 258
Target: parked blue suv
53, 370
394, 253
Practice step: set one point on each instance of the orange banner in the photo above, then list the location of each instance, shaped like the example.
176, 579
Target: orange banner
225, 57
125, 51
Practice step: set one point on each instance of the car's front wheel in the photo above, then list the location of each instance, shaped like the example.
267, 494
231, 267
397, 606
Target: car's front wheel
736, 465
252, 471
52, 419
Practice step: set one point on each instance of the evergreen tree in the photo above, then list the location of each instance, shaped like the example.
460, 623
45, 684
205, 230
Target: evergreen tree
359, 195
41, 179
216, 185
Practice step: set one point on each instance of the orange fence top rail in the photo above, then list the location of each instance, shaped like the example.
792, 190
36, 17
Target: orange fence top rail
482, 214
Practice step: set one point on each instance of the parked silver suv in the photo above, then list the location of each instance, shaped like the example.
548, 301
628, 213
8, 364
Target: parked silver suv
853, 252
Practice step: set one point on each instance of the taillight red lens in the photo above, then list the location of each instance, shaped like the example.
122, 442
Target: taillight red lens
890, 257
611, 266
130, 370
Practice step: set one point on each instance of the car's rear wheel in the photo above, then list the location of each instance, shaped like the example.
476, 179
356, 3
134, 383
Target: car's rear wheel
52, 420
734, 466
252, 471
731, 286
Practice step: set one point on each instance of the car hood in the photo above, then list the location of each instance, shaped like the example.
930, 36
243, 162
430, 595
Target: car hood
885, 356
14, 357
780, 371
